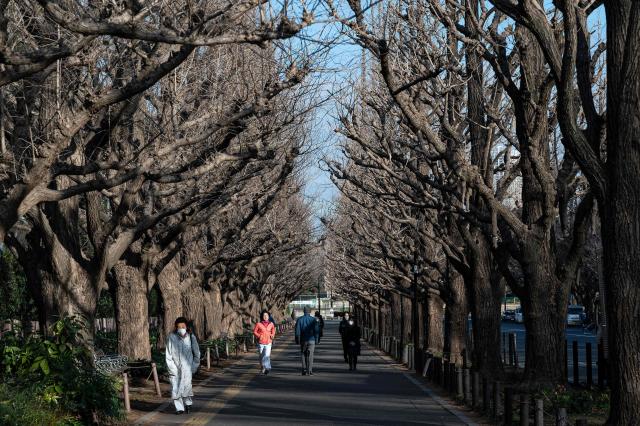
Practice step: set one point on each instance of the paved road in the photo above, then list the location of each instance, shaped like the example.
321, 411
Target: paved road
574, 333
379, 393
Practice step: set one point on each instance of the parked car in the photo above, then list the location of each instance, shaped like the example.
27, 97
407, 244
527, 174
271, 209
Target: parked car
576, 315
509, 315
519, 318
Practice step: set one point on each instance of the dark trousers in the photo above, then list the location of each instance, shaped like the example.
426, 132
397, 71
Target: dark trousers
307, 349
352, 355
344, 350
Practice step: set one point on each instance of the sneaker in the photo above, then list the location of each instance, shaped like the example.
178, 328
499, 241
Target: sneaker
266, 371
304, 373
263, 371
310, 373
179, 412
187, 409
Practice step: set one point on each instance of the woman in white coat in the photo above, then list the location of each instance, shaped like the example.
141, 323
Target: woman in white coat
183, 359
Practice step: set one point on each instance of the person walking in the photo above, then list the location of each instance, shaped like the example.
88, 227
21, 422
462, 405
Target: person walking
182, 356
341, 328
352, 338
321, 322
306, 335
265, 331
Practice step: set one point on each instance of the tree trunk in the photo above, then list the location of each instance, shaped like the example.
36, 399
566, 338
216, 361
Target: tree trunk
485, 291
60, 285
213, 311
169, 284
132, 309
407, 331
544, 307
456, 315
621, 218
434, 326
193, 308
396, 316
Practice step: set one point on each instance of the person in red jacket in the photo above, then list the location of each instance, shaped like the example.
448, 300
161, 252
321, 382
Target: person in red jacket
265, 331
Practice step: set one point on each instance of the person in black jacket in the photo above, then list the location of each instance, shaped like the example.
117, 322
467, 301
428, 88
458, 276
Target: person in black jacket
352, 338
321, 322
343, 326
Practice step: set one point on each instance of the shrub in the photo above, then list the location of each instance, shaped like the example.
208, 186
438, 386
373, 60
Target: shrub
58, 371
26, 407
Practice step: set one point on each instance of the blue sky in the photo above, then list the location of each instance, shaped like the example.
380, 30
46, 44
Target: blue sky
341, 66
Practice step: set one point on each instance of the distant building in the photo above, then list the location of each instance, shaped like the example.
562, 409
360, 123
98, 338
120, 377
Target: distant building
328, 307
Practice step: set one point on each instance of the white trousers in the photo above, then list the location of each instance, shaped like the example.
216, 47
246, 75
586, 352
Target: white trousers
265, 355
181, 402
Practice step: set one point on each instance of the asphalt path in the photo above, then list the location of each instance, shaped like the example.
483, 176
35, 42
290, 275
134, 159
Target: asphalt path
378, 393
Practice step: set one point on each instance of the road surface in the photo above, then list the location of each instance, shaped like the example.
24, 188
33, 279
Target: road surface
379, 393
573, 333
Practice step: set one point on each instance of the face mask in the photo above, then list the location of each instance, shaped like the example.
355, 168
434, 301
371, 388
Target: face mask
182, 331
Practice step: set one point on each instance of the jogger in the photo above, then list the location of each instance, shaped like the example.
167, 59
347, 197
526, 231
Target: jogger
265, 356
265, 331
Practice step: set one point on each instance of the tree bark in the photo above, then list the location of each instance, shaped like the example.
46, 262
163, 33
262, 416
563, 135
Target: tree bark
485, 291
132, 309
434, 326
621, 218
193, 308
544, 307
456, 318
169, 284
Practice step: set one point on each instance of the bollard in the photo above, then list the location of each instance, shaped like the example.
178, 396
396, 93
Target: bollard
244, 345
601, 366
459, 382
217, 355
125, 391
508, 406
453, 379
446, 376
496, 400
576, 365
512, 346
156, 382
561, 417
425, 368
208, 358
475, 390
466, 375
515, 351
226, 348
566, 362
504, 347
485, 395
538, 420
524, 410
589, 365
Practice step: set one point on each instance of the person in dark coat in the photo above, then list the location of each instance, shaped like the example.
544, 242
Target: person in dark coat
343, 325
352, 338
307, 333
321, 322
